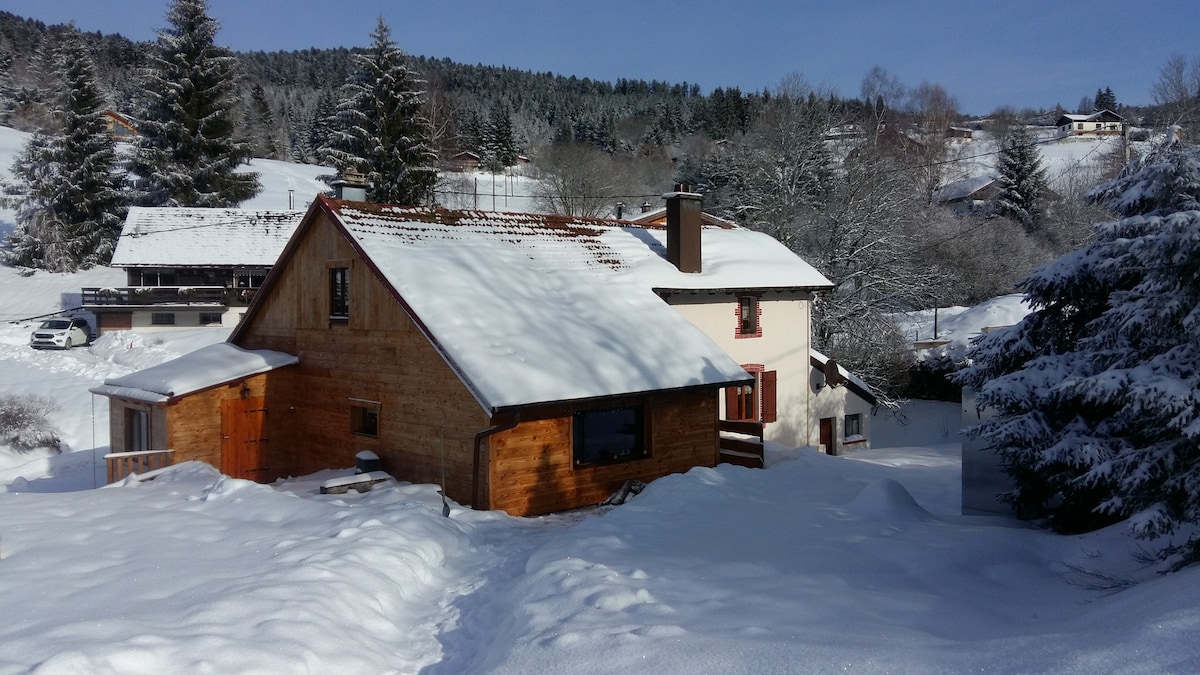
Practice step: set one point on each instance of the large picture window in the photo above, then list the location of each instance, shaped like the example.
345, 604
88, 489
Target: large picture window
607, 436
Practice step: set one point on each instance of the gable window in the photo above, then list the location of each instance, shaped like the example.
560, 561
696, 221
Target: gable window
609, 436
364, 417
137, 430
749, 311
852, 427
339, 293
162, 318
754, 402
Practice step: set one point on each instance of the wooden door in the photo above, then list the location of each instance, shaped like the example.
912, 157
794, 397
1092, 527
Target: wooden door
243, 445
827, 438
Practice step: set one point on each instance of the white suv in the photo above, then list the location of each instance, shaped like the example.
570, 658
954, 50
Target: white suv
61, 334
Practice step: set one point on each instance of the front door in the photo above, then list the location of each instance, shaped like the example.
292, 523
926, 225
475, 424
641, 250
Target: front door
827, 436
243, 445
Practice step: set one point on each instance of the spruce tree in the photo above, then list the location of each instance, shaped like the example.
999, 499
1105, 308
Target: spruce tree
1022, 179
1105, 100
71, 210
499, 147
380, 129
1097, 391
187, 153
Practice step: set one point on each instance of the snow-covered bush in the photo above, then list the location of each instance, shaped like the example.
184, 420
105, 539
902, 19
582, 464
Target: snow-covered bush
1097, 391
24, 424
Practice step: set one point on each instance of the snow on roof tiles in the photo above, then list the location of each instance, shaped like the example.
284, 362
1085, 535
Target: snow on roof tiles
534, 308
202, 237
206, 367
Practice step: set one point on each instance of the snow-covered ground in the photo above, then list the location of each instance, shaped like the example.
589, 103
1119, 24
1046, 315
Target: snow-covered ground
859, 563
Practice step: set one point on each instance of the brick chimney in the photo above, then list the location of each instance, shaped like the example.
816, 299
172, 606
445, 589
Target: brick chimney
683, 228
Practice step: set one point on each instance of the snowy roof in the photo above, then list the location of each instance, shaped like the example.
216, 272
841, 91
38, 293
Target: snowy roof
854, 382
959, 190
200, 237
533, 308
204, 368
1105, 115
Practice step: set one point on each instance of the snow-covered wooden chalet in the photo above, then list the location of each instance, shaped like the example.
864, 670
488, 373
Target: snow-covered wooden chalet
525, 362
189, 267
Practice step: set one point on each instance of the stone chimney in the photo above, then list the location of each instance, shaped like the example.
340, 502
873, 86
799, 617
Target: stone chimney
683, 228
350, 186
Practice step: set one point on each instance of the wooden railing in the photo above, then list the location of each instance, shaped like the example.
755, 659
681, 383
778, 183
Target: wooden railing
121, 464
165, 295
742, 443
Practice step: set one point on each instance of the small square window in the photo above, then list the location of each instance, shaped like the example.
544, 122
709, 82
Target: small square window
209, 318
364, 417
852, 426
162, 318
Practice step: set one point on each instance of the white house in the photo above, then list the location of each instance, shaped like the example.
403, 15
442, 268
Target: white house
1099, 123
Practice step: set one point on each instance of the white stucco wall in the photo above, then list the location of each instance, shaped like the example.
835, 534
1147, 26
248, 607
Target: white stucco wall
783, 347
186, 318
836, 403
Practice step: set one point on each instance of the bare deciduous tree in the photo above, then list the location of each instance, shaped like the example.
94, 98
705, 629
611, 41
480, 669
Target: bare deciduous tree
1177, 89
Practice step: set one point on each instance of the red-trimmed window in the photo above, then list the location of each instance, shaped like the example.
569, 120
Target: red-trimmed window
749, 317
754, 402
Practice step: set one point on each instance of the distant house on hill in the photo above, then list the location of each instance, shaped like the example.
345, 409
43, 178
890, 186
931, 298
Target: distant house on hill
119, 126
525, 362
966, 194
1099, 123
189, 267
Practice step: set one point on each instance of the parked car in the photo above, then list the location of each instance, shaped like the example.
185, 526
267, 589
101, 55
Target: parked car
61, 334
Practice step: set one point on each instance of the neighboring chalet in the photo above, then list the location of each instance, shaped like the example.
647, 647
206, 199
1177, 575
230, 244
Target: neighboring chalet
189, 267
963, 196
1099, 123
524, 362
119, 126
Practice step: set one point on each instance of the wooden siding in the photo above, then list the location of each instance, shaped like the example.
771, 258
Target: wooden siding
531, 467
427, 418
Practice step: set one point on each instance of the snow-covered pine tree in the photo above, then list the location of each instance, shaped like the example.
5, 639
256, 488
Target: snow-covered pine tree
1097, 391
499, 148
72, 204
1022, 179
380, 129
186, 154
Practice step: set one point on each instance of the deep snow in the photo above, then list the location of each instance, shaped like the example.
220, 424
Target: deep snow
859, 563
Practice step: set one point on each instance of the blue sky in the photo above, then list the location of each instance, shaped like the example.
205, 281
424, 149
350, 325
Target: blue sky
1012, 52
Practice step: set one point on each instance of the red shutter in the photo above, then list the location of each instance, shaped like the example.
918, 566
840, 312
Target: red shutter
768, 396
731, 403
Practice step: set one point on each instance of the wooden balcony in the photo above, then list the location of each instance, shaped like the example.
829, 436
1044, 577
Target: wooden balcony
742, 443
167, 296
122, 464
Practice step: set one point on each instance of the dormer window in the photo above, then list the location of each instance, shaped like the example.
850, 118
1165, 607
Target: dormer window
748, 314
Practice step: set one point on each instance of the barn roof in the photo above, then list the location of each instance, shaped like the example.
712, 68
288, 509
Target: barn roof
532, 308
203, 237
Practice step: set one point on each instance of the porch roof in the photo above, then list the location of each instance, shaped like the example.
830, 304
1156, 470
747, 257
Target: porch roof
204, 368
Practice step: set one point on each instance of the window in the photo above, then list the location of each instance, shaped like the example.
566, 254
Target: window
608, 436
248, 279
741, 403
207, 318
752, 402
137, 430
852, 426
158, 278
364, 417
162, 318
339, 293
748, 313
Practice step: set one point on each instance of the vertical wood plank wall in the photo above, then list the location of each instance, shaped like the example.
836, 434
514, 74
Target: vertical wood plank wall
532, 468
426, 415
